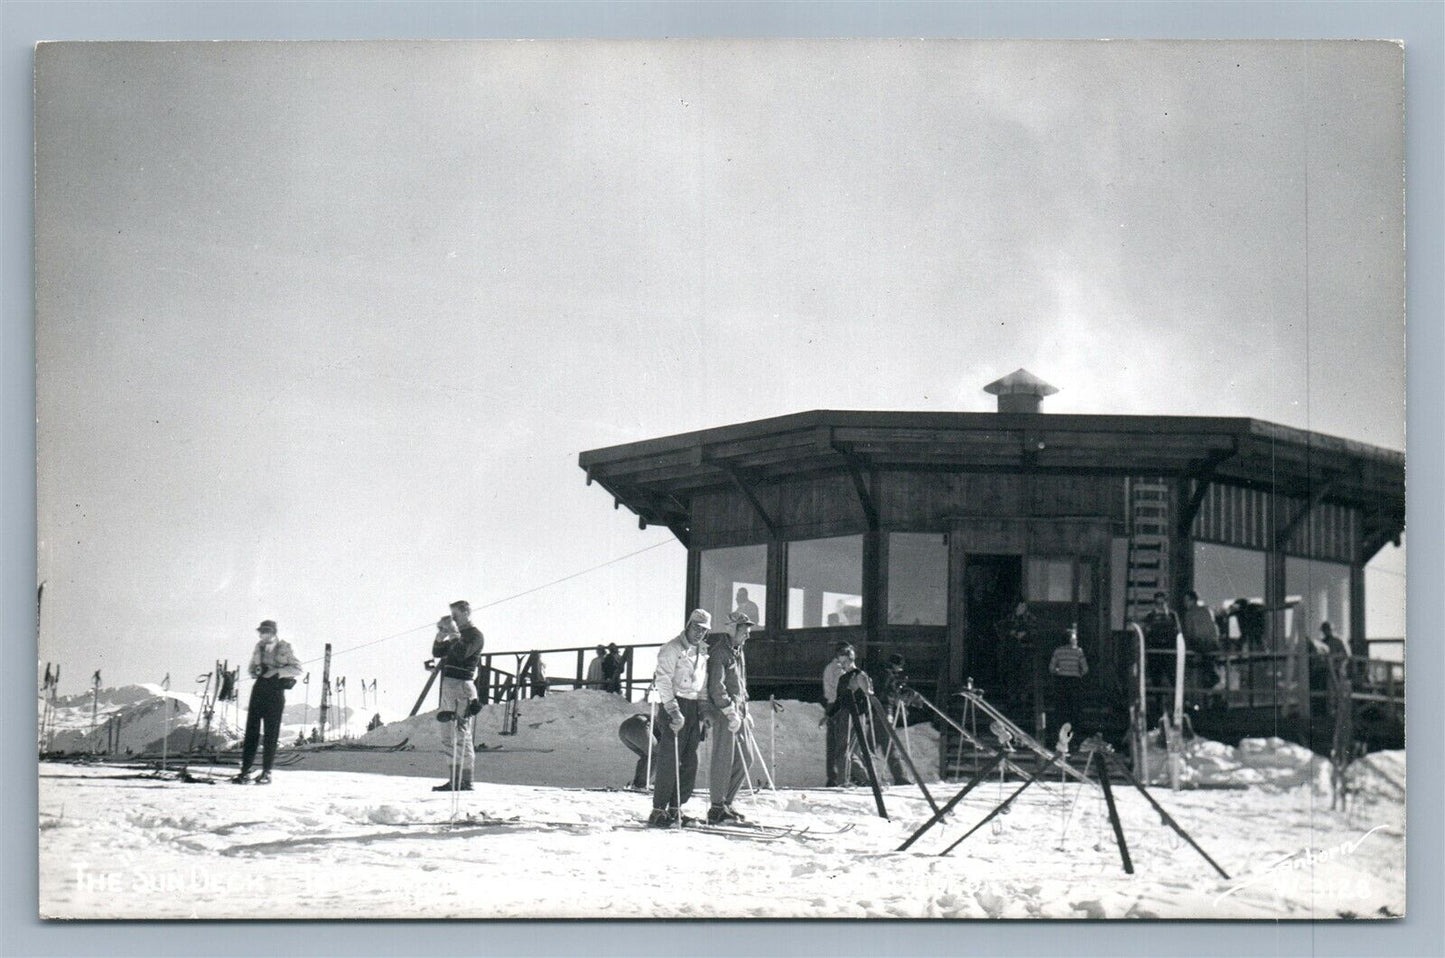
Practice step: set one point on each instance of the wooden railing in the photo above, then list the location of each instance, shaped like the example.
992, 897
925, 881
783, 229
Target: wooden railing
497, 684
1276, 679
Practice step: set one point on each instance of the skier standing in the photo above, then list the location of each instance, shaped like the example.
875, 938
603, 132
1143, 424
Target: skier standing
680, 678
835, 714
275, 668
458, 650
727, 712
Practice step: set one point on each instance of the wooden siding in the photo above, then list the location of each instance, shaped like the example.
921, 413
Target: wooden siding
1237, 516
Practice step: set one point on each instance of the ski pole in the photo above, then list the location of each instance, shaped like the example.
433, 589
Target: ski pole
739, 752
455, 774
651, 724
772, 734
757, 753
677, 777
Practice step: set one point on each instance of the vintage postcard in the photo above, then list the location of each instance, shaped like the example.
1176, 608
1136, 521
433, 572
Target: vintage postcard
721, 479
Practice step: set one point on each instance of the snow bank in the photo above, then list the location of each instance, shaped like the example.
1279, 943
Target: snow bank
570, 738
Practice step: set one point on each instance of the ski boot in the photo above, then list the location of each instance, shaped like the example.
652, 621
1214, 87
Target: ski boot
265, 779
735, 815
243, 779
722, 815
662, 818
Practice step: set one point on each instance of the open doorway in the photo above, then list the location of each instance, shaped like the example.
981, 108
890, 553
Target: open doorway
992, 585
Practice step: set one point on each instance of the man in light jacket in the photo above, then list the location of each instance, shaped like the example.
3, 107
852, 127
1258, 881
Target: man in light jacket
275, 668
727, 712
680, 679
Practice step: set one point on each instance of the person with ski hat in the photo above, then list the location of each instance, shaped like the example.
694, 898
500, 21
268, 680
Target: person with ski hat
458, 650
727, 713
275, 668
893, 694
680, 679
839, 736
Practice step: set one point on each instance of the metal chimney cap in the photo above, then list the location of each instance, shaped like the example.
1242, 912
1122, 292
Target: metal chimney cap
1020, 382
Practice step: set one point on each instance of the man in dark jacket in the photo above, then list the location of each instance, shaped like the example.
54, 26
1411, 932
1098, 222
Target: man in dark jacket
893, 694
727, 712
275, 668
612, 669
1161, 627
458, 650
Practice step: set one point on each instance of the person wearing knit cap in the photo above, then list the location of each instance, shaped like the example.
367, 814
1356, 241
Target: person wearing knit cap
679, 680
275, 668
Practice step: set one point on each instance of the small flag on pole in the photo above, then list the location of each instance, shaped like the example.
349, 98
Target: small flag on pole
166, 682
306, 679
96, 677
49, 680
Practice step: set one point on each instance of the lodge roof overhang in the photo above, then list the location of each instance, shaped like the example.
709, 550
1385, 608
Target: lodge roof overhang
656, 478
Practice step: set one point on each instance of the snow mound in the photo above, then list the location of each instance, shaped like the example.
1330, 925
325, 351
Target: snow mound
570, 739
1256, 761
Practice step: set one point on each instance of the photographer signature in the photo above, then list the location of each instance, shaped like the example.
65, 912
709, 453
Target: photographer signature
1297, 861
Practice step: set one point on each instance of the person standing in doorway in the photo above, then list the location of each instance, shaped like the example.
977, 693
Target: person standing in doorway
275, 668
680, 679
1068, 666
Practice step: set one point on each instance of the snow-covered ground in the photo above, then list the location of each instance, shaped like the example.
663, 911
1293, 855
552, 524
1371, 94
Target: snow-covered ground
332, 839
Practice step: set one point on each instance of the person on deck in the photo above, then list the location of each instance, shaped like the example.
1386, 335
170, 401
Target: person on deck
458, 650
1068, 666
727, 713
613, 667
594, 669
1201, 637
1161, 627
680, 679
275, 668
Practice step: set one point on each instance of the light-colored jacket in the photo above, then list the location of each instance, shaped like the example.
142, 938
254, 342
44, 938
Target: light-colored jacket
273, 658
681, 670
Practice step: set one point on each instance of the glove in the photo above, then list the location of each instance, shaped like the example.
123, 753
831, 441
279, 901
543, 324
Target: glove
675, 719
474, 707
734, 723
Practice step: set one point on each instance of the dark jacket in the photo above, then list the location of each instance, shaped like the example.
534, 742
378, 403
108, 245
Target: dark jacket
461, 655
727, 680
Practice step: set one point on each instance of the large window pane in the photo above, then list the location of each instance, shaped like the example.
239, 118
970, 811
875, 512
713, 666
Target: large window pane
1051, 580
917, 579
1323, 591
1223, 574
732, 580
825, 582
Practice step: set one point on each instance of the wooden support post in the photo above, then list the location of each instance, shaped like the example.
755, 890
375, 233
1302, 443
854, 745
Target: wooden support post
326, 689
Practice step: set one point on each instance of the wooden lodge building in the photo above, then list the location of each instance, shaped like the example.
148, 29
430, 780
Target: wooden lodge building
917, 532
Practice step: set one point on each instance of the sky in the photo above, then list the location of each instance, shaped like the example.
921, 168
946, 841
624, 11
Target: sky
321, 328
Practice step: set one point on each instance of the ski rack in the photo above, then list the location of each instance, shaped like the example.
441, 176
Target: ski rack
975, 741
1024, 738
